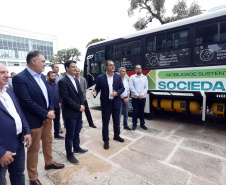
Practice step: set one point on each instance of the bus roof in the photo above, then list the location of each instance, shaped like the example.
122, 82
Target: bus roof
190, 20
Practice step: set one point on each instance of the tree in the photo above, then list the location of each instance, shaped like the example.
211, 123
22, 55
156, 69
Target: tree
155, 10
66, 54
95, 41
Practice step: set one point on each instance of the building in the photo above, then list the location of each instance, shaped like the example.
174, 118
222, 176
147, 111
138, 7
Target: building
16, 43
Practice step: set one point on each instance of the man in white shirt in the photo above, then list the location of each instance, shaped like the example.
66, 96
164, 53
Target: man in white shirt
14, 131
138, 84
124, 98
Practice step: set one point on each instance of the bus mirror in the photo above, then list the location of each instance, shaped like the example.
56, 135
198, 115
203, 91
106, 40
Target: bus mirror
89, 57
91, 76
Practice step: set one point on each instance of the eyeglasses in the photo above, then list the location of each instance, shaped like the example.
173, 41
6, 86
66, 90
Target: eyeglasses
138, 68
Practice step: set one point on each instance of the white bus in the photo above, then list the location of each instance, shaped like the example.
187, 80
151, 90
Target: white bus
184, 61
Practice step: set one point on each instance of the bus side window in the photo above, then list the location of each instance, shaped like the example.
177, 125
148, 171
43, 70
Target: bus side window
160, 42
223, 31
207, 34
181, 39
150, 44
169, 41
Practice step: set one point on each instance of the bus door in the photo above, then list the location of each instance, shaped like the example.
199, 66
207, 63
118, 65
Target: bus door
95, 67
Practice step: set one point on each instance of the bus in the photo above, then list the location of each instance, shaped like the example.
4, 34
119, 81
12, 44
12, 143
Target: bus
184, 61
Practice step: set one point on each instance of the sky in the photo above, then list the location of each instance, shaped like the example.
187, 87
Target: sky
76, 22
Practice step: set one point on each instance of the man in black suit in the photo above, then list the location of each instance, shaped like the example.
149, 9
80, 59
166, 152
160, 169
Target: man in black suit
34, 97
111, 87
72, 108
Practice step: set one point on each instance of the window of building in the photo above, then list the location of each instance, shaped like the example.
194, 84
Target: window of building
3, 62
13, 64
23, 64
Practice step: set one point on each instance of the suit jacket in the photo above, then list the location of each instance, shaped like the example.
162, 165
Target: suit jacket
83, 85
102, 85
71, 99
31, 98
8, 133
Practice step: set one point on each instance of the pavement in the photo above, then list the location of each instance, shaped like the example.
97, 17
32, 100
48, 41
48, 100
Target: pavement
177, 149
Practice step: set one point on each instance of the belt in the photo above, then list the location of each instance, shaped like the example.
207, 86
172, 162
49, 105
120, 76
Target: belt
111, 99
19, 135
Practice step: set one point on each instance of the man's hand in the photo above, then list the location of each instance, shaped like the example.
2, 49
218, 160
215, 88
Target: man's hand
140, 96
126, 100
94, 93
28, 140
82, 108
51, 114
7, 158
121, 97
113, 94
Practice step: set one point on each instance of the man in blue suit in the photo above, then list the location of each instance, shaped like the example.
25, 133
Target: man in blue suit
14, 131
111, 87
35, 100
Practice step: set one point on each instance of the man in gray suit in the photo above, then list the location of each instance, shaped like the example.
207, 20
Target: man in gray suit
83, 85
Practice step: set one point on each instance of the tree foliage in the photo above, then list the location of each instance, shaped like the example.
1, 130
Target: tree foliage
66, 54
155, 9
94, 41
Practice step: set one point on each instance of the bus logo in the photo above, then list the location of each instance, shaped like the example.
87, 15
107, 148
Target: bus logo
206, 55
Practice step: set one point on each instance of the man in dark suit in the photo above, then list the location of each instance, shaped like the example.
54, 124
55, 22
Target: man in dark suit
72, 108
14, 131
111, 87
33, 94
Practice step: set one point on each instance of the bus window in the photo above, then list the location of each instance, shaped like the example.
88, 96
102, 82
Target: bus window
223, 31
150, 44
169, 41
207, 34
160, 42
127, 49
181, 39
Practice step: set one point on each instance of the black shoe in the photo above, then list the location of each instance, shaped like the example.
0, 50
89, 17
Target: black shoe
119, 139
72, 159
80, 150
93, 126
127, 128
134, 127
143, 127
106, 145
58, 137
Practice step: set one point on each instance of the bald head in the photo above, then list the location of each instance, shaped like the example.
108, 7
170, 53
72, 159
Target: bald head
4, 76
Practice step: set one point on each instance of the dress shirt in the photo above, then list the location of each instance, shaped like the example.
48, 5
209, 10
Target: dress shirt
126, 86
110, 84
10, 82
58, 77
10, 107
73, 81
41, 84
138, 85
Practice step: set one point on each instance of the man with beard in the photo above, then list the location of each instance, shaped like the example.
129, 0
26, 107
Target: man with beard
54, 92
138, 85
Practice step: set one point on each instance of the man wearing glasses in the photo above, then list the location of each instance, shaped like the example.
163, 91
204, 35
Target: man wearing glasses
138, 85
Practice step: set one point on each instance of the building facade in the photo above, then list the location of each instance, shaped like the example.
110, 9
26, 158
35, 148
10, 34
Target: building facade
16, 43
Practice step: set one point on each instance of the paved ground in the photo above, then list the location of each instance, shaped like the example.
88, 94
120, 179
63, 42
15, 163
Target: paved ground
177, 149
